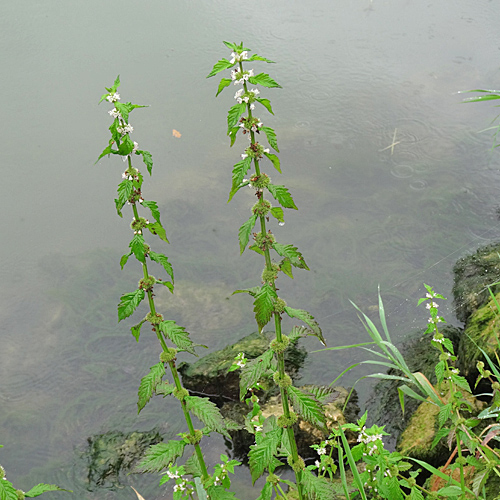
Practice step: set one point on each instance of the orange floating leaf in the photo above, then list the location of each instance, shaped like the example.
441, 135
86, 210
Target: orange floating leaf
176, 133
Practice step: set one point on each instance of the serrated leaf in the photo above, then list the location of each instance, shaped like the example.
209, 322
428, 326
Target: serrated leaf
255, 57
163, 260
239, 171
441, 433
124, 259
192, 466
231, 45
220, 66
265, 80
448, 344
316, 487
253, 371
460, 382
275, 161
439, 370
282, 196
126, 146
157, 229
125, 189
136, 329
42, 488
286, 267
444, 414
160, 456
266, 103
234, 114
307, 407
147, 159
7, 491
271, 137
263, 453
253, 291
153, 207
107, 151
149, 383
232, 135
263, 305
167, 284
164, 389
245, 231
137, 247
292, 254
308, 319
256, 249
208, 413
450, 491
225, 82
266, 493
178, 335
298, 332
125, 108
129, 302
220, 493
277, 213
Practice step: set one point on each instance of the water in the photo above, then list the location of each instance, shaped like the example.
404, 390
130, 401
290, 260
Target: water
392, 180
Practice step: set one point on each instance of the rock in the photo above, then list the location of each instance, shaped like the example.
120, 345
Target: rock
481, 331
107, 455
333, 398
209, 377
472, 275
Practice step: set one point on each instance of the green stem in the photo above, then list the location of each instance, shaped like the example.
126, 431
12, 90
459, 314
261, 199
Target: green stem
462, 475
173, 368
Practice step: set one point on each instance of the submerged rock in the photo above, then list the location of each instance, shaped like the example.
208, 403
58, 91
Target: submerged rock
473, 274
209, 376
110, 454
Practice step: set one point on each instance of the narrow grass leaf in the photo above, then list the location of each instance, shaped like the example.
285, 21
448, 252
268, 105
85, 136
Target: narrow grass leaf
149, 383
343, 477
352, 464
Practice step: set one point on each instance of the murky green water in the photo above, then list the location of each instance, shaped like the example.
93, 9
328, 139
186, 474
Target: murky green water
352, 72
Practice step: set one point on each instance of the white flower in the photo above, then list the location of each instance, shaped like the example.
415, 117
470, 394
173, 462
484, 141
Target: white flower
136, 147
234, 72
179, 487
431, 304
113, 98
321, 451
265, 150
114, 113
126, 129
429, 296
241, 363
317, 463
124, 175
244, 155
437, 340
255, 91
249, 73
172, 475
252, 106
258, 428
239, 93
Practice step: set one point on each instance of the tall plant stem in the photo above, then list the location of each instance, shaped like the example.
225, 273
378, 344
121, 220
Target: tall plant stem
277, 322
173, 368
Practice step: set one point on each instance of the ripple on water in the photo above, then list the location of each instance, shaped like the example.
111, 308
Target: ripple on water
419, 184
402, 171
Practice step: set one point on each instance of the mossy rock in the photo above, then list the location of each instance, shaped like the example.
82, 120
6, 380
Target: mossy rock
333, 399
209, 376
416, 440
473, 274
110, 454
384, 407
482, 331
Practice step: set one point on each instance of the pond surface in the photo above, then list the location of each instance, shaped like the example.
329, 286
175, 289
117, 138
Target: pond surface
357, 76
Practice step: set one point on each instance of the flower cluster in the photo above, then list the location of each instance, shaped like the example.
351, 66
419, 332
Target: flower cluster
432, 306
239, 362
256, 151
240, 76
113, 97
371, 440
126, 129
247, 97
235, 57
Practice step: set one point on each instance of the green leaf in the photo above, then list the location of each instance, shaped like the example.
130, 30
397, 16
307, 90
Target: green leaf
460, 382
153, 207
298, 332
263, 305
147, 159
292, 254
271, 137
307, 407
286, 267
277, 212
245, 231
282, 196
253, 291
167, 284
450, 491
107, 151
265, 80
124, 259
125, 108
129, 302
266, 493
220, 66
192, 466
439, 369
253, 371
164, 389
208, 413
126, 146
266, 103
163, 260
220, 493
232, 135
231, 46
308, 319
125, 189
7, 491
137, 247
149, 383
316, 487
136, 329
239, 171
157, 229
160, 456
444, 414
262, 454
275, 161
225, 82
42, 488
178, 335
255, 57
234, 114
